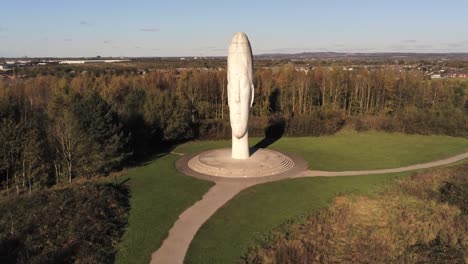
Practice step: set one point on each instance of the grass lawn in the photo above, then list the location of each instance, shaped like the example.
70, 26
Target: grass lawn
159, 194
247, 219
350, 150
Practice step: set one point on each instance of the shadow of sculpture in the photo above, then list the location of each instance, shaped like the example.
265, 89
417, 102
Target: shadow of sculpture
274, 102
273, 132
276, 123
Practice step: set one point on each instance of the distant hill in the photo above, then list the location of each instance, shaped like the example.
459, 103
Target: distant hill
370, 56
281, 56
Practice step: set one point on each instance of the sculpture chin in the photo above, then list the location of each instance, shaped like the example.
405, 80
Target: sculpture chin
238, 130
239, 134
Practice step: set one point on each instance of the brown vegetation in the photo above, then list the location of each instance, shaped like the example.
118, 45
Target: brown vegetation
57, 127
418, 221
82, 224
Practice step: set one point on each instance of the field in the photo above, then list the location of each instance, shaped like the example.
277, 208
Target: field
159, 193
248, 218
349, 150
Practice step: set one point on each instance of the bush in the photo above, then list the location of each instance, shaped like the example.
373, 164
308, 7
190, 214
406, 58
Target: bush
276, 125
82, 224
214, 129
316, 123
437, 252
382, 123
455, 194
405, 223
417, 121
221, 128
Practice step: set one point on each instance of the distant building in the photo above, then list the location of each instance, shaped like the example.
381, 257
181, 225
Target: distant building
72, 62
436, 76
457, 75
90, 61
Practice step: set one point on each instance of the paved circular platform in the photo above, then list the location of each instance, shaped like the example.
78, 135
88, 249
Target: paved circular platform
218, 164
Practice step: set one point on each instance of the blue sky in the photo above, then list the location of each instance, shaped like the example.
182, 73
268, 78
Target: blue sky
201, 28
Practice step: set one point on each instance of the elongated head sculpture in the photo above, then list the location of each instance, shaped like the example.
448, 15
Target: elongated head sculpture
240, 92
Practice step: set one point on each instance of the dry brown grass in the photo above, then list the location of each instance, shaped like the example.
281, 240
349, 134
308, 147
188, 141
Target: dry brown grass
405, 224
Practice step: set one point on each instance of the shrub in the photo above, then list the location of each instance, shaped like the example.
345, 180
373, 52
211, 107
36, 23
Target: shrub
406, 223
455, 194
437, 252
417, 121
214, 129
81, 224
316, 123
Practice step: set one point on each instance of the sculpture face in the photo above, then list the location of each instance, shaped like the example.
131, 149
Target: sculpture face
240, 86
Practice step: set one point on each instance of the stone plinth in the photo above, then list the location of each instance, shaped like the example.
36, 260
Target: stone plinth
261, 163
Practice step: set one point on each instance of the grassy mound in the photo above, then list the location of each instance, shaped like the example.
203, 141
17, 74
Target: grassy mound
420, 221
82, 224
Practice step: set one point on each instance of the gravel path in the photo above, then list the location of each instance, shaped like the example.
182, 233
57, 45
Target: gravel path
175, 246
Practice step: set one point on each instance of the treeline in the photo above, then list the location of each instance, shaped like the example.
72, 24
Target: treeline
57, 128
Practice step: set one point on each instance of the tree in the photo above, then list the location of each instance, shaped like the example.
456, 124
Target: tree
104, 130
69, 141
35, 164
168, 118
11, 151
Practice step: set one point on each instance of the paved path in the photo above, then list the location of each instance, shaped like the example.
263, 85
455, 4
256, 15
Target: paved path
175, 246
313, 173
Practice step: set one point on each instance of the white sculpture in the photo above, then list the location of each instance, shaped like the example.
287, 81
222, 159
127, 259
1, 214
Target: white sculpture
240, 92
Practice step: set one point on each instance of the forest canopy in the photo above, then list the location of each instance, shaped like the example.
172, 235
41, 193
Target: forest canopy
55, 128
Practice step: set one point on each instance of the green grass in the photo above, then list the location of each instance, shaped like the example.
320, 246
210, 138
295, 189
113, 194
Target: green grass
350, 150
159, 194
251, 215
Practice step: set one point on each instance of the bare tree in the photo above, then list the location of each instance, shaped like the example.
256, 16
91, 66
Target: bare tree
68, 141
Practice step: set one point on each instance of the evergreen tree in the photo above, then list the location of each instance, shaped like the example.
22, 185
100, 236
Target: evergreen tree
168, 119
104, 131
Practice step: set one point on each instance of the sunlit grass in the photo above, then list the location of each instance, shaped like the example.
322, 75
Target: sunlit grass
252, 214
350, 150
159, 194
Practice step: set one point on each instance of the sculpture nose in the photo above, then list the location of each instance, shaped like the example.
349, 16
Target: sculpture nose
237, 95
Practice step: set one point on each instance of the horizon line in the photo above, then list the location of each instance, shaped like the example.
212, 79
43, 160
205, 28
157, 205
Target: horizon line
255, 55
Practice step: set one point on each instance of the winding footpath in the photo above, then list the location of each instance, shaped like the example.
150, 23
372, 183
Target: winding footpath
175, 246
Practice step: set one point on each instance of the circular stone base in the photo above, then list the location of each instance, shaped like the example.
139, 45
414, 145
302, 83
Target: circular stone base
261, 163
